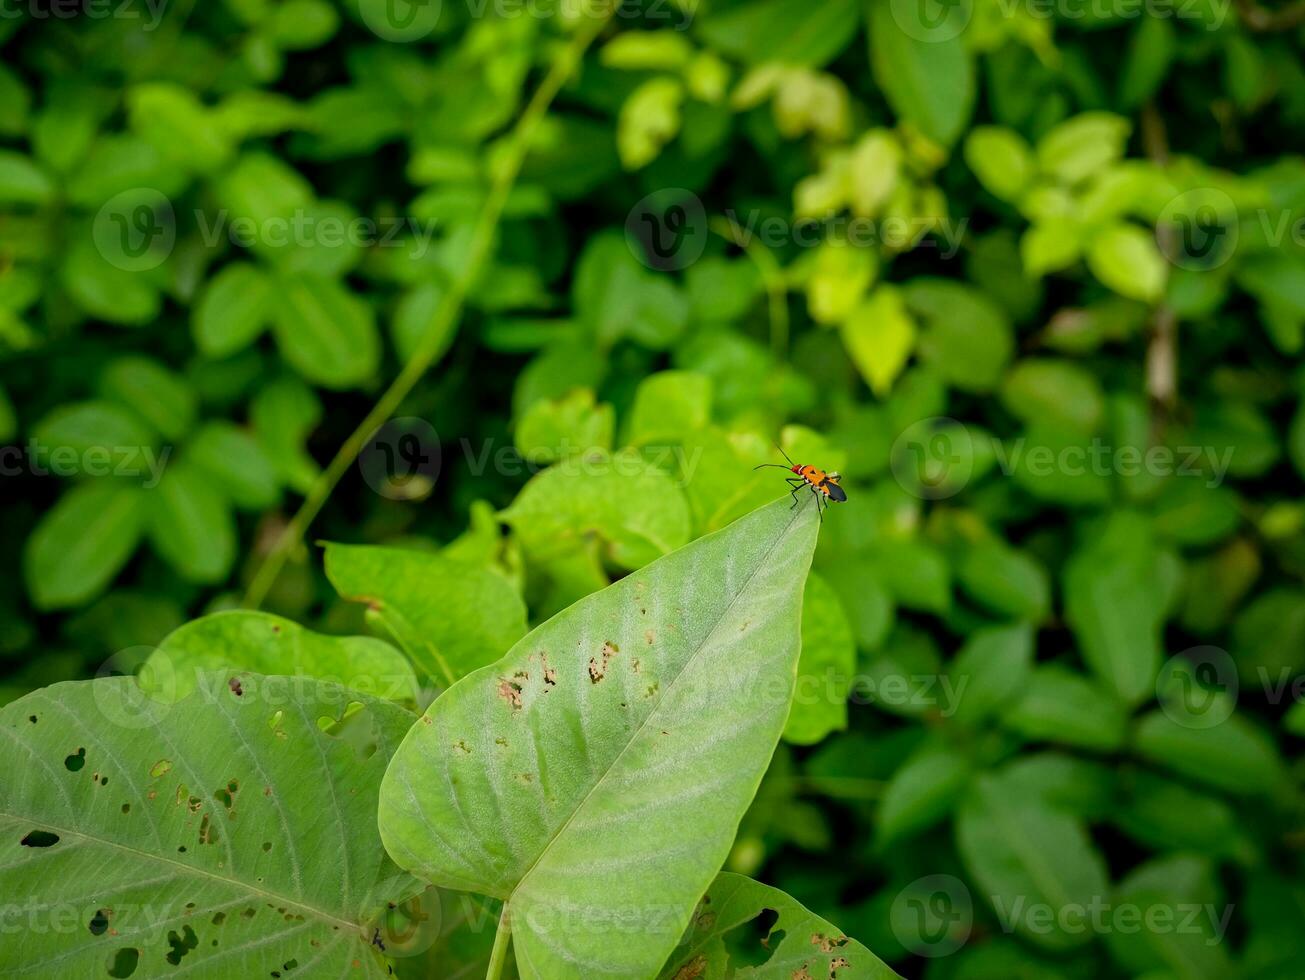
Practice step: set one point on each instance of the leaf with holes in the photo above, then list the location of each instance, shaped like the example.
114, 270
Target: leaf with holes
596, 775
230, 835
744, 928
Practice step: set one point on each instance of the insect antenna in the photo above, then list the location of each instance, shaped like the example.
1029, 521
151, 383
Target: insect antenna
790, 465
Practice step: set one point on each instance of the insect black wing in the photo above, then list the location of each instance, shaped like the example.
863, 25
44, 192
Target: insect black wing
836, 493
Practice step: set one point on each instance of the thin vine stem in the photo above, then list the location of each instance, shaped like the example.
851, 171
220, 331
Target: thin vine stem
449, 310
498, 957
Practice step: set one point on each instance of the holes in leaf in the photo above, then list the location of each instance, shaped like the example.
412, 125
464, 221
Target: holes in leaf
753, 943
208, 832
267, 846
76, 761
32, 719
40, 838
126, 808
355, 727
181, 945
227, 797
219, 918
123, 963
99, 923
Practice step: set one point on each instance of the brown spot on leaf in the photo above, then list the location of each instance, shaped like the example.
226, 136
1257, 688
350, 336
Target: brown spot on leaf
836, 964
693, 969
461, 746
801, 973
550, 674
827, 945
236, 687
649, 636
510, 691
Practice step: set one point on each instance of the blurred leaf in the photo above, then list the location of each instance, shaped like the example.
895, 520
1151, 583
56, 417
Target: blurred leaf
554, 429
152, 391
1126, 258
1082, 145
924, 791
1234, 756
254, 641
478, 615
1061, 706
82, 543
191, 526
879, 336
633, 506
924, 68
325, 332
1020, 847
236, 463
991, 671
825, 667
1113, 606
234, 308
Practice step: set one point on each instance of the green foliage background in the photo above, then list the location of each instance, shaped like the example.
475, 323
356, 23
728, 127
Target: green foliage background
1030, 276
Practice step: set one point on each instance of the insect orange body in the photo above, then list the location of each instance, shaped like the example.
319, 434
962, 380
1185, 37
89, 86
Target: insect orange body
824, 485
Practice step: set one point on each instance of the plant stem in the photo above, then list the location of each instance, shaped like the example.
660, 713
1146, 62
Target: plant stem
501, 938
450, 309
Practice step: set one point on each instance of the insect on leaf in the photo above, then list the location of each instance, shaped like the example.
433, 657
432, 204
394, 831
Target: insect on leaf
596, 775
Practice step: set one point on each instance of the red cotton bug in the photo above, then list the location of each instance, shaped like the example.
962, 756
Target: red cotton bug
823, 485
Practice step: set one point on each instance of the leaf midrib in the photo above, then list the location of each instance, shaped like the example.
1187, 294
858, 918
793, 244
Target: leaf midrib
22, 821
665, 690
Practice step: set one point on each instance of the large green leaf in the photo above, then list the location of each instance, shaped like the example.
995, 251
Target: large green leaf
721, 942
267, 644
228, 834
599, 771
451, 616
